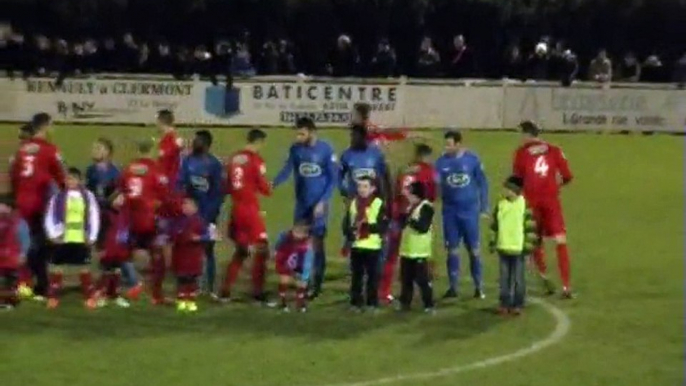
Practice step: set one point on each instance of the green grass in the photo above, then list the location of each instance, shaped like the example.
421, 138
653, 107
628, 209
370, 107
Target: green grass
626, 230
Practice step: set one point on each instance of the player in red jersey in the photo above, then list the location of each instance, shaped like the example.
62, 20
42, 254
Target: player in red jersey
145, 187
246, 181
419, 170
170, 147
375, 134
544, 169
36, 171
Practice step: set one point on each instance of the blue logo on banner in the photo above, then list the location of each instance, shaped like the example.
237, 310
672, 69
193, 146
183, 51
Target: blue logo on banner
221, 101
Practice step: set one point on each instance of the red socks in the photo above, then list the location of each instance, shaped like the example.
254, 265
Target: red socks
232, 271
563, 264
86, 280
539, 260
259, 270
187, 291
25, 275
283, 294
55, 286
300, 297
158, 272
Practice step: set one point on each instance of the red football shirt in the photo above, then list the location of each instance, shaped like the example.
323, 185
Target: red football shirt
246, 178
422, 172
36, 168
543, 167
144, 188
170, 148
379, 136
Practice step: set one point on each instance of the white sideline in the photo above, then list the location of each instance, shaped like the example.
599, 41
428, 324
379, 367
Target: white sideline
562, 327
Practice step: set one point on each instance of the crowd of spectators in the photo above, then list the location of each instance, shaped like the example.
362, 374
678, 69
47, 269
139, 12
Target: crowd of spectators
39, 55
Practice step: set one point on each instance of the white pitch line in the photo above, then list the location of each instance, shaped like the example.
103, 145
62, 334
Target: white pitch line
562, 326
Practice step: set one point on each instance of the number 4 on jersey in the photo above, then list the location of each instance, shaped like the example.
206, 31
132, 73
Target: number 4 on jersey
541, 166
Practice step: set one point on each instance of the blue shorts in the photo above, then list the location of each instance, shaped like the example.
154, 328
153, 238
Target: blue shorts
461, 227
318, 223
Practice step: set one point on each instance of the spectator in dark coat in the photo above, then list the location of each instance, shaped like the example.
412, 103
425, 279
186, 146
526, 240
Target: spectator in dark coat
513, 63
653, 71
286, 59
679, 75
241, 65
537, 64
628, 69
107, 56
344, 60
269, 59
461, 62
161, 60
569, 68
42, 57
429, 60
384, 61
221, 60
90, 60
128, 54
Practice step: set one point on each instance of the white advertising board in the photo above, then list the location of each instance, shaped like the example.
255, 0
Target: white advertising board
597, 108
413, 104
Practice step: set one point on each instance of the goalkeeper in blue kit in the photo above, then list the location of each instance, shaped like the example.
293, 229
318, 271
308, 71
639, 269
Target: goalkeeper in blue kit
201, 178
313, 162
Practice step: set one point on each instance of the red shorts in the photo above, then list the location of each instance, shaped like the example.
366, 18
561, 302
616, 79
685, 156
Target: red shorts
247, 230
549, 218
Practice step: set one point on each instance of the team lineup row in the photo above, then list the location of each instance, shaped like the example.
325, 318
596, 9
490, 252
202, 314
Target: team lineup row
168, 207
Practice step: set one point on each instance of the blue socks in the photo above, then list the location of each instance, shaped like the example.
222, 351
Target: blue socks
475, 267
453, 269
128, 274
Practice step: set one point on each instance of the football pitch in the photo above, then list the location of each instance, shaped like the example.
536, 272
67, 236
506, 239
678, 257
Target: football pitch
625, 219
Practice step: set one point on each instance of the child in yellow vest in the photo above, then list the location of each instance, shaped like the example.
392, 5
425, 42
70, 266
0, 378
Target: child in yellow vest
364, 226
513, 237
416, 248
72, 223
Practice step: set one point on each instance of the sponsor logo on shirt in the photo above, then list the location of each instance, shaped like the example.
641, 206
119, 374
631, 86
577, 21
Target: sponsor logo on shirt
458, 180
307, 169
200, 183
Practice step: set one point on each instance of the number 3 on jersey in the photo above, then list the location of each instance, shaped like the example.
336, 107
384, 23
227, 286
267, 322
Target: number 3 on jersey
237, 178
135, 186
541, 166
28, 166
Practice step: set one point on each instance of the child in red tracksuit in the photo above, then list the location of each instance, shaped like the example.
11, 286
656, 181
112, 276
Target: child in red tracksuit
14, 244
189, 234
116, 252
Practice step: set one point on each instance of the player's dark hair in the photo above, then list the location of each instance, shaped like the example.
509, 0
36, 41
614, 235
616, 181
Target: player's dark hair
40, 120
74, 172
456, 136
205, 136
145, 146
166, 117
366, 178
514, 183
422, 150
417, 189
107, 143
26, 131
530, 128
363, 109
305, 123
360, 130
303, 222
256, 135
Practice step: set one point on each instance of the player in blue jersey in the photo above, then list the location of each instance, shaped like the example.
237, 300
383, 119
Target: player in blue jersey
102, 177
464, 191
201, 178
359, 160
314, 164
362, 159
